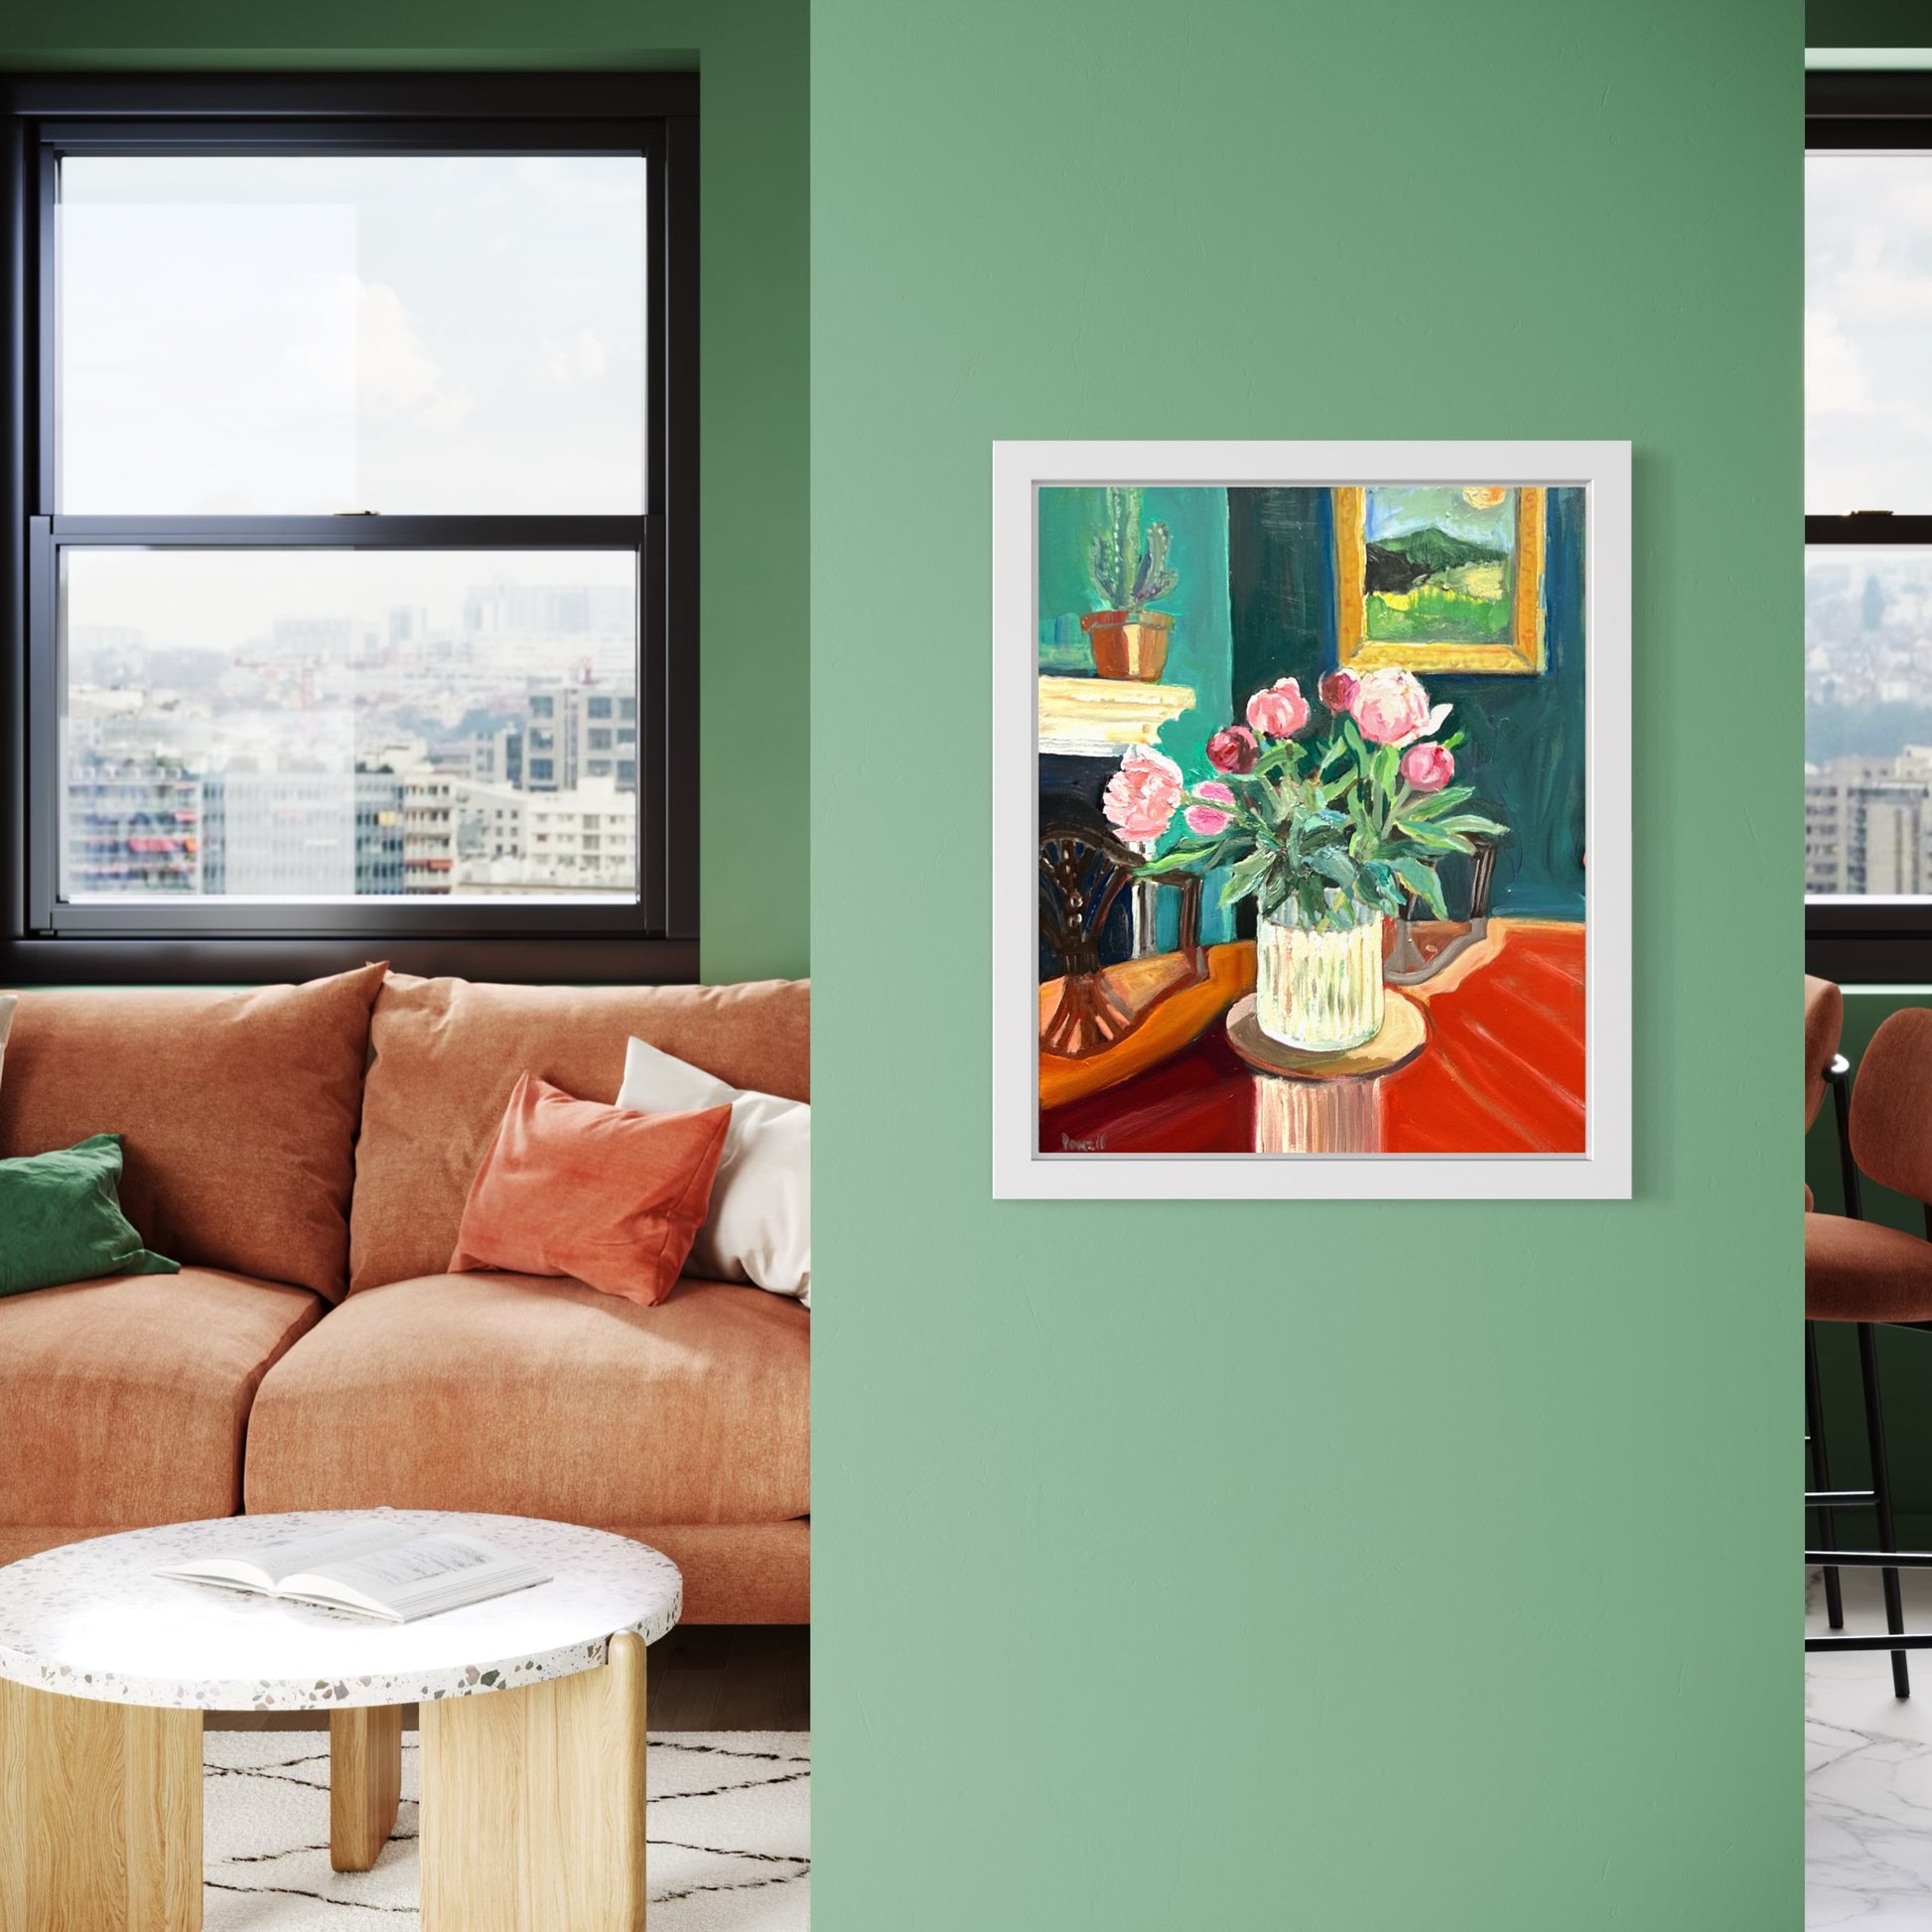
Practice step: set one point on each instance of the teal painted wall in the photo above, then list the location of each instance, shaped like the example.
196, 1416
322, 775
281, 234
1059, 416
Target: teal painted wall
1523, 737
1200, 647
1331, 1565
752, 57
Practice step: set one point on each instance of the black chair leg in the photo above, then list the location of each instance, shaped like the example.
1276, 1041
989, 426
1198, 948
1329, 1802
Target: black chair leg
1820, 1472
1874, 1425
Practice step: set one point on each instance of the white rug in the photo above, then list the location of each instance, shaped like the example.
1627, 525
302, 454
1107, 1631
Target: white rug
729, 1824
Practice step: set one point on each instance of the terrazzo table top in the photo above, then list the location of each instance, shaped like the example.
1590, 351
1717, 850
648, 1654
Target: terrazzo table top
92, 1620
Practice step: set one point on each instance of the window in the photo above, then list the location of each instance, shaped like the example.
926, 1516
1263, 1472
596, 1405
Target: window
357, 474
1867, 619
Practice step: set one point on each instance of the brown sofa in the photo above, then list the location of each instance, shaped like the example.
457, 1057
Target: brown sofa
305, 1153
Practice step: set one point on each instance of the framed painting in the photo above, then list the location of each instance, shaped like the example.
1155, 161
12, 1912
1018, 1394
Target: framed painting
1439, 577
1311, 820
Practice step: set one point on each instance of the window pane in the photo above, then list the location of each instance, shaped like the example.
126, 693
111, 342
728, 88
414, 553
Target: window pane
1868, 721
304, 334
344, 724
1867, 313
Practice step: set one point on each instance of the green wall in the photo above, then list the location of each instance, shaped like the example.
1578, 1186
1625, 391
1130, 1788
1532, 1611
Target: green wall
752, 57
1324, 1565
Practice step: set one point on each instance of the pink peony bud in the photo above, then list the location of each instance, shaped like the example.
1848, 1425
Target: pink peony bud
1392, 708
1338, 690
1141, 796
1280, 710
1233, 749
1204, 819
1428, 767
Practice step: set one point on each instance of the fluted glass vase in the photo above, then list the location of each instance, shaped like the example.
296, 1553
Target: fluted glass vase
1318, 984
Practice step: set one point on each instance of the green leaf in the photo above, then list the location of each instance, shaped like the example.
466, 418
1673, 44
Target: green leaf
1470, 822
1182, 855
1432, 838
1334, 864
1421, 881
1246, 875
1432, 804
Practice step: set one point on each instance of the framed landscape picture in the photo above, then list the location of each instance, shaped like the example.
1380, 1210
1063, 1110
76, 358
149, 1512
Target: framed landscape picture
1312, 783
1438, 578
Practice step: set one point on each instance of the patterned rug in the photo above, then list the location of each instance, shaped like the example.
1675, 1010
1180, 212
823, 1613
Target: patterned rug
730, 1834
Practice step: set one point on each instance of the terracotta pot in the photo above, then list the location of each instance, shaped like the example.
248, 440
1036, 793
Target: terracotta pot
1121, 649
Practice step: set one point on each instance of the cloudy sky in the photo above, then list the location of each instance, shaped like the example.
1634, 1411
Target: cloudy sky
319, 334
1867, 332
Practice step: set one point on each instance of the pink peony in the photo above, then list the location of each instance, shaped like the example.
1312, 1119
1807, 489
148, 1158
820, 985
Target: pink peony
1204, 819
1280, 710
1428, 767
1141, 796
1233, 749
1338, 690
1392, 708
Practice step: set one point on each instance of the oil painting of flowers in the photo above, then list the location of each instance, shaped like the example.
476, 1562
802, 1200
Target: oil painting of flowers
1313, 807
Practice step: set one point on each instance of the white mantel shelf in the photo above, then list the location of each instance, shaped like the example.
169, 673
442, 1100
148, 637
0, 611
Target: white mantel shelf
1100, 717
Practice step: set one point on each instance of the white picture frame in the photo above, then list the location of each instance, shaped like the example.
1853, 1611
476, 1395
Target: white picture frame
1602, 1172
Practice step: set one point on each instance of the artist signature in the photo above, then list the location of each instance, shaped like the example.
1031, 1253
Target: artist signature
1073, 1144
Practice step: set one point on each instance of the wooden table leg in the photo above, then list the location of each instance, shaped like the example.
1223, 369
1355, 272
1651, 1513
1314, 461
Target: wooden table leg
533, 1804
365, 1783
102, 1814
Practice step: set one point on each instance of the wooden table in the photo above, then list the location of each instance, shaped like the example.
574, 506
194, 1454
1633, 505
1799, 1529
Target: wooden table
1502, 1072
531, 1706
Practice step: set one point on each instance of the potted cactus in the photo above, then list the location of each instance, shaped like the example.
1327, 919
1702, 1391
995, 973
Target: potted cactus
1129, 572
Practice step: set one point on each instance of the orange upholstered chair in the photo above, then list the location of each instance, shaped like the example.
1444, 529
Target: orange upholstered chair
1859, 1272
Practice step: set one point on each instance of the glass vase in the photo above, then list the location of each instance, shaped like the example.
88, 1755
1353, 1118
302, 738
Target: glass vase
1318, 984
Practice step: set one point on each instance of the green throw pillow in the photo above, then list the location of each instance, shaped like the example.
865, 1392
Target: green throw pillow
60, 1219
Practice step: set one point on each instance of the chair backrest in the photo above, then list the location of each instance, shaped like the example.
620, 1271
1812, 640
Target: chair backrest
1082, 874
1824, 1021
1891, 1104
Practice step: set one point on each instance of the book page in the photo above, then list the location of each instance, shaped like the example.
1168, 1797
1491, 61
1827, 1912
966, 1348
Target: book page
412, 1578
266, 1563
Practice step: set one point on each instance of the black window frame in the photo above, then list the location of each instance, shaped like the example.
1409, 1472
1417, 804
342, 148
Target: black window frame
45, 116
1846, 938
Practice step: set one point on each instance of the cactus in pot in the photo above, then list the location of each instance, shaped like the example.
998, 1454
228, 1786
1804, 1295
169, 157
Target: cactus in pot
1129, 572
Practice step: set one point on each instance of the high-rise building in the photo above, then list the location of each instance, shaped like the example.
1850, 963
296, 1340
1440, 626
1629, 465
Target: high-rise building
379, 832
585, 840
580, 733
280, 834
133, 826
1869, 825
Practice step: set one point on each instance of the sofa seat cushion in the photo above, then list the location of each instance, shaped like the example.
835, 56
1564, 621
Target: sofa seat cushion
126, 1401
539, 1397
236, 1111
448, 1054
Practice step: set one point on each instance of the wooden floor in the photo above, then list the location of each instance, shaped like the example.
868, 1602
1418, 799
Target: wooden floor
702, 1677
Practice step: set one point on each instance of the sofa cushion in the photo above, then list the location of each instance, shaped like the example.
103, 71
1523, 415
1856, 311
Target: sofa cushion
449, 1052
126, 1401
236, 1111
538, 1397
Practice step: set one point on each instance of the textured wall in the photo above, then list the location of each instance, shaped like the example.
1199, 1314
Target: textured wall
1340, 1566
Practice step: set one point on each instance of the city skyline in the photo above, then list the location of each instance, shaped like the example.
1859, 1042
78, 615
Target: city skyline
479, 741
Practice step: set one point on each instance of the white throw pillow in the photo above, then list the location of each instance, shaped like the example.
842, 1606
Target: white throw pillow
759, 1227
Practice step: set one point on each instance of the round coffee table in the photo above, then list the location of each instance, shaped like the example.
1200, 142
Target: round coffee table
531, 1712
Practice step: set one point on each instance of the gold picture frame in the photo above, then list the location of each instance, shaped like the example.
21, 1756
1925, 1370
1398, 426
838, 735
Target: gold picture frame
1518, 654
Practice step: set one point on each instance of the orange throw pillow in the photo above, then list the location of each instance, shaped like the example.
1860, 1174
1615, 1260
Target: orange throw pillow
575, 1187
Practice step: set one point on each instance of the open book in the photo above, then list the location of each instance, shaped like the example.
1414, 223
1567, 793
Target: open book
373, 1568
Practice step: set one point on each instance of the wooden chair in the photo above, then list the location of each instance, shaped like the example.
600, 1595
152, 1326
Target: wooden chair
1083, 873
1867, 1274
